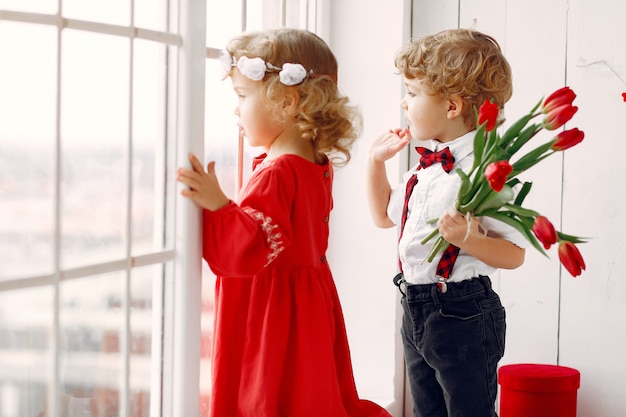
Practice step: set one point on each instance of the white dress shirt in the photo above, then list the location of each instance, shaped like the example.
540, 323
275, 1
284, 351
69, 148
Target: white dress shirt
435, 193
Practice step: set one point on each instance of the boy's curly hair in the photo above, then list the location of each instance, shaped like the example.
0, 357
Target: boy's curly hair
324, 116
460, 62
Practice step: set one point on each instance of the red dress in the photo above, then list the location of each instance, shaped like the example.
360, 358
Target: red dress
280, 342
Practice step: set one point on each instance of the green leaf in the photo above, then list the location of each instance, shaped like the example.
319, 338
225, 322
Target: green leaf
570, 238
464, 187
523, 229
495, 200
532, 158
479, 145
520, 211
513, 131
523, 138
523, 193
477, 198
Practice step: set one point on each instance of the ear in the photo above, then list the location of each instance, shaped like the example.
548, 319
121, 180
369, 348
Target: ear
456, 105
291, 102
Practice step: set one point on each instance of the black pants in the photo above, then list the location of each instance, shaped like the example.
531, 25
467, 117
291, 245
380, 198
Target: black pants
452, 344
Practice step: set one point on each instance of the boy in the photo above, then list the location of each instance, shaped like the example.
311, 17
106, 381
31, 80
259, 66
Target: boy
453, 323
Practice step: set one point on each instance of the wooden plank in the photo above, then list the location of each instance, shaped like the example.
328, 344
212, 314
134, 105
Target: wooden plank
593, 305
433, 16
531, 292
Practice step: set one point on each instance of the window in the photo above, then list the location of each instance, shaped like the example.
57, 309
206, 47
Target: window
101, 274
88, 134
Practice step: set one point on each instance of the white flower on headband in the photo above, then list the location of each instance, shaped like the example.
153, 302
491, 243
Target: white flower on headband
292, 74
227, 61
253, 68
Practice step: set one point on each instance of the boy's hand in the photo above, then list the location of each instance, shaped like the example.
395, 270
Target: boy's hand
453, 226
204, 189
389, 144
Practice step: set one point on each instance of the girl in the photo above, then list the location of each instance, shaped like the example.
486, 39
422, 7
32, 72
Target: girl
280, 341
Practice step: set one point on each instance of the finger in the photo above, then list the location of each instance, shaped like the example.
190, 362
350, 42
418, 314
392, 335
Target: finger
398, 146
182, 175
453, 212
195, 163
192, 179
210, 168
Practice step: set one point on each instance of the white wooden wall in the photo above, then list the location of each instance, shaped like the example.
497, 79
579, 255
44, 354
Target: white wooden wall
552, 317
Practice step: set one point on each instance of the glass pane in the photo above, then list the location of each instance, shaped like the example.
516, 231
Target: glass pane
25, 358
257, 14
221, 132
145, 321
94, 136
268, 14
27, 143
222, 143
39, 6
149, 145
92, 332
151, 14
116, 12
223, 21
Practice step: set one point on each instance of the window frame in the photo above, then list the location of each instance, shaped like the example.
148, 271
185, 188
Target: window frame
176, 316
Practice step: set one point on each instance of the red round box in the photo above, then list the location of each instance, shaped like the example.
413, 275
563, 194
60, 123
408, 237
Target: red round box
538, 390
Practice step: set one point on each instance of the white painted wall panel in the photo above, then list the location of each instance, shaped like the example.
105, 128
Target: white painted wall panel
534, 44
593, 332
365, 37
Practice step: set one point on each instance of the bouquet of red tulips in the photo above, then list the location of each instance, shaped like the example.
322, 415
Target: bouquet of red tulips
488, 189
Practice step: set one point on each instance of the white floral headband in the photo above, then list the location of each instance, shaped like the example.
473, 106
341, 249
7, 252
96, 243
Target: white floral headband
255, 69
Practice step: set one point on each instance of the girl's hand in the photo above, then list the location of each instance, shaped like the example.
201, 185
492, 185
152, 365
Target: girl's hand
389, 144
204, 189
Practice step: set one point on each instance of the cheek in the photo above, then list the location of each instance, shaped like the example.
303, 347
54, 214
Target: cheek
246, 112
413, 113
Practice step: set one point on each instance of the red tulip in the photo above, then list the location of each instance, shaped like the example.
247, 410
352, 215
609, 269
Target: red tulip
568, 138
488, 113
496, 174
562, 96
571, 258
558, 116
544, 231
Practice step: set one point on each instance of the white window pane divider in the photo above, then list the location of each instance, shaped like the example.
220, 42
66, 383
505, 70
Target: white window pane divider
89, 270
103, 28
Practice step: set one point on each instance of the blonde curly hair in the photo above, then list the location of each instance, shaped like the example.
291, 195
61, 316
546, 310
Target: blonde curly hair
461, 62
324, 116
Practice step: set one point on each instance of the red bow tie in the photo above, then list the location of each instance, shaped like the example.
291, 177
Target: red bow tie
429, 157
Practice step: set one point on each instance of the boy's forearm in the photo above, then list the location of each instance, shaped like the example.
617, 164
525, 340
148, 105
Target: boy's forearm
497, 253
378, 193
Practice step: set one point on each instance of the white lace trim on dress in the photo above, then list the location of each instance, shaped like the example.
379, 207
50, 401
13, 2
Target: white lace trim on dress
273, 237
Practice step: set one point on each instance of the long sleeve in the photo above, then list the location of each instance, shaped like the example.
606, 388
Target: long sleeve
241, 239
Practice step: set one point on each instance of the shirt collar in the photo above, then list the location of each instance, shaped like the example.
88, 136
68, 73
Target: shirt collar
460, 147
